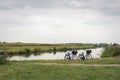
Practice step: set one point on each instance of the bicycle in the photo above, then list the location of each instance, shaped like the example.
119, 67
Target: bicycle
81, 56
70, 56
88, 54
67, 56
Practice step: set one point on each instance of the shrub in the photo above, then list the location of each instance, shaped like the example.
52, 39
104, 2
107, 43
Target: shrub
36, 50
27, 50
3, 59
111, 51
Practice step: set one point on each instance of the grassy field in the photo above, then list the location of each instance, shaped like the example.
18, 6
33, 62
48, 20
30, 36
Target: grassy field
27, 70
34, 70
19, 48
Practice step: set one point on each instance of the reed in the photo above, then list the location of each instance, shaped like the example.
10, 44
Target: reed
112, 51
23, 48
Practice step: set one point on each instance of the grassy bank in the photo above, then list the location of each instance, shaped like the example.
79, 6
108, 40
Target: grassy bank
26, 71
111, 51
93, 61
21, 48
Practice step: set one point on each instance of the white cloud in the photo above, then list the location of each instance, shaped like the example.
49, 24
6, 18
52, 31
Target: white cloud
65, 21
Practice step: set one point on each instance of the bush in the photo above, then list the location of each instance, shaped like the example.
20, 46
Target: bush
27, 50
36, 50
3, 59
111, 51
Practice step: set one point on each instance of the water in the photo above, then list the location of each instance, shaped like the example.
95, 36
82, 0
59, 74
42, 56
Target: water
96, 53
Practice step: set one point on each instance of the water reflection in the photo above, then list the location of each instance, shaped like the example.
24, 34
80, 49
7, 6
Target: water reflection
96, 53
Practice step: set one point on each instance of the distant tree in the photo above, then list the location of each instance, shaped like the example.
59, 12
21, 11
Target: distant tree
27, 50
115, 44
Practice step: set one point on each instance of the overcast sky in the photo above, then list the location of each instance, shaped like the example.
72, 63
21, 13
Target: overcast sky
60, 21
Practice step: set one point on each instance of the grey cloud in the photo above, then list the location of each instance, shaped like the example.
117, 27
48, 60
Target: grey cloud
60, 3
33, 16
104, 6
110, 7
11, 4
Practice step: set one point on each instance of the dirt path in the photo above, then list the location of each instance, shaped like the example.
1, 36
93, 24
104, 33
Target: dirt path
94, 65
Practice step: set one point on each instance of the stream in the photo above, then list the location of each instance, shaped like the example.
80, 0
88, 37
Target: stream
96, 53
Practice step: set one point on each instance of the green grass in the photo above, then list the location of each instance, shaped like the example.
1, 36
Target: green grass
111, 51
20, 71
93, 61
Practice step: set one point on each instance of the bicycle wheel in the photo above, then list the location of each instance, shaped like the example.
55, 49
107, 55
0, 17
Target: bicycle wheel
81, 57
66, 57
88, 56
